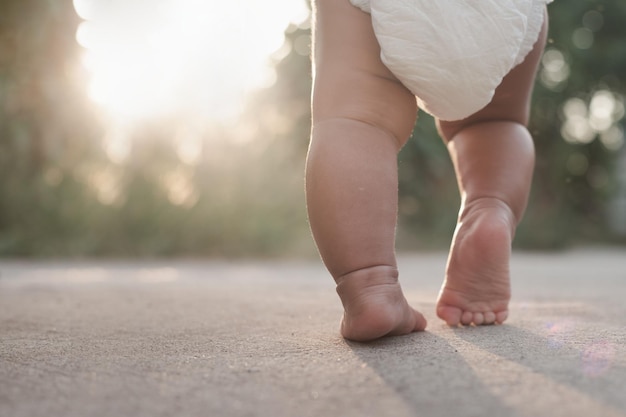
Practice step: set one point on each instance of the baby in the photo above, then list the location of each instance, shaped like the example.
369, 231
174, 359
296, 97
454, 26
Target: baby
472, 65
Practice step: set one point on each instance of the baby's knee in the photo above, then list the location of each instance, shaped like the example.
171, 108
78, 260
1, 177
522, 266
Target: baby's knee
449, 129
382, 103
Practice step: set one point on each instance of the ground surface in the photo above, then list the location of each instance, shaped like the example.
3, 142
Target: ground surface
261, 339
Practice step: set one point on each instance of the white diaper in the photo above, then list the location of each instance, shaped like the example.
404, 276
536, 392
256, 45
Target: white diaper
452, 54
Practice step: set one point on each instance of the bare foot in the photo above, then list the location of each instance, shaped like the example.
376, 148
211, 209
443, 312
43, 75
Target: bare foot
374, 305
477, 285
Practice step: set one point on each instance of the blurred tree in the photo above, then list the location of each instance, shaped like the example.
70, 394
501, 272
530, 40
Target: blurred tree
63, 191
43, 124
578, 120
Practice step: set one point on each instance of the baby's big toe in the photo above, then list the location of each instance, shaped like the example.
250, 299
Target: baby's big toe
467, 318
451, 315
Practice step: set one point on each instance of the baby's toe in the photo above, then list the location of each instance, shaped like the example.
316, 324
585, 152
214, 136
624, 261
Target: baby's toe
490, 317
420, 322
479, 318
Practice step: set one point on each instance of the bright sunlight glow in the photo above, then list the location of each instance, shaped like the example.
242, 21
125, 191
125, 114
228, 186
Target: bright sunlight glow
153, 58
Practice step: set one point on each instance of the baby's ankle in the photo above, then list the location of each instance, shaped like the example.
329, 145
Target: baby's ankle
495, 207
366, 279
374, 305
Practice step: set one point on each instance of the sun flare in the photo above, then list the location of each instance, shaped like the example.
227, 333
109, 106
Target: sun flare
150, 58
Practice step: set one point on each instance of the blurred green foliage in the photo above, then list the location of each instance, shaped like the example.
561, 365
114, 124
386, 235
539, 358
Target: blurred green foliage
62, 195
580, 179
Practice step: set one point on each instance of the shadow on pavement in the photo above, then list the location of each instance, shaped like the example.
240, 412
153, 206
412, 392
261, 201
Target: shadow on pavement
583, 360
431, 376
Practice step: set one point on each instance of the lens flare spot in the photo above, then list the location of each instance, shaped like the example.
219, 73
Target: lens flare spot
189, 145
583, 38
197, 58
555, 69
613, 138
593, 20
597, 359
558, 333
180, 188
117, 145
107, 184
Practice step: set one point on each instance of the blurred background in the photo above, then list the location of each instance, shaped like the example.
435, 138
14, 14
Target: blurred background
163, 128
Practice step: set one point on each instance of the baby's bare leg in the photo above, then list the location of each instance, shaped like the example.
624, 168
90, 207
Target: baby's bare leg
361, 118
493, 155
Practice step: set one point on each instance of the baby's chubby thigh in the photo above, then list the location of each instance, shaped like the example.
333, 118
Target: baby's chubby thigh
350, 80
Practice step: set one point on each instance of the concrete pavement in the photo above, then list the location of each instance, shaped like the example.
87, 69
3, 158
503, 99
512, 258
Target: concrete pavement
237, 339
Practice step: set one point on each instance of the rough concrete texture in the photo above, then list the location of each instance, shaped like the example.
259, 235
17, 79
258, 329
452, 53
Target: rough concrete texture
261, 339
